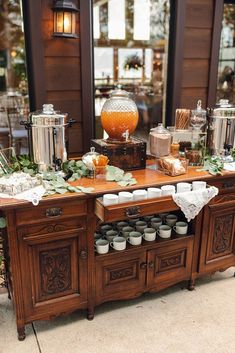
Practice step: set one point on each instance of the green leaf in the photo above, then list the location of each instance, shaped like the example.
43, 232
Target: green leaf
61, 191
3, 222
123, 183
85, 190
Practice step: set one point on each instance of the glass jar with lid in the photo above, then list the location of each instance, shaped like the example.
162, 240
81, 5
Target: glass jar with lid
88, 160
119, 116
160, 141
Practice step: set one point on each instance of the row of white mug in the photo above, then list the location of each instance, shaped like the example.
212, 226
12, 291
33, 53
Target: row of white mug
135, 237
142, 194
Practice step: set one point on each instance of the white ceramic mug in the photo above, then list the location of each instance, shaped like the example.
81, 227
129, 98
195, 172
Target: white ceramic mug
199, 185
121, 225
140, 226
156, 222
181, 227
111, 234
183, 187
118, 243
163, 215
154, 192
105, 228
139, 195
168, 190
171, 220
164, 231
97, 236
127, 230
135, 238
110, 199
125, 196
102, 246
149, 234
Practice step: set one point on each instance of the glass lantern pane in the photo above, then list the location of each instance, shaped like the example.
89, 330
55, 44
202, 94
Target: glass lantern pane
67, 22
59, 22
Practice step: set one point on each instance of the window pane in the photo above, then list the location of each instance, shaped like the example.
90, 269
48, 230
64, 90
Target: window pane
136, 33
226, 69
130, 63
96, 22
141, 19
116, 19
103, 63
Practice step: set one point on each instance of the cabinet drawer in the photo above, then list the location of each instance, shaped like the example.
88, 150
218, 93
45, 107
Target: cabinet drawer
69, 225
133, 209
226, 185
50, 212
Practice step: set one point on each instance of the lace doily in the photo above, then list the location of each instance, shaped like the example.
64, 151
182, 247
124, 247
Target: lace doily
192, 202
33, 195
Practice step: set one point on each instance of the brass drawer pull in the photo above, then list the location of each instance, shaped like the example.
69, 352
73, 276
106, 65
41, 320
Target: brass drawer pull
228, 184
143, 265
151, 264
53, 212
132, 212
83, 254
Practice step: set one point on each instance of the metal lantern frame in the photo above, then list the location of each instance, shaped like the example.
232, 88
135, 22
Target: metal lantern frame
64, 18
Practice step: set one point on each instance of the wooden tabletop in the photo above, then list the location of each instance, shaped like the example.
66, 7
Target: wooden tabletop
145, 178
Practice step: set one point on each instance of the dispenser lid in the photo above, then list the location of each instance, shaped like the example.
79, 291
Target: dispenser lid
48, 116
223, 109
160, 130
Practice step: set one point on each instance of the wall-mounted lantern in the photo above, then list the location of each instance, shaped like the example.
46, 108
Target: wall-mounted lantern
64, 18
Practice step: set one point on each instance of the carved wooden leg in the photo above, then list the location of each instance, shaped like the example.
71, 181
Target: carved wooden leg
21, 333
191, 284
90, 313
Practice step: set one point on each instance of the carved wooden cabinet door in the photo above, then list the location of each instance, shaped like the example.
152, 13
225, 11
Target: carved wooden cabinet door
54, 273
119, 277
169, 264
218, 236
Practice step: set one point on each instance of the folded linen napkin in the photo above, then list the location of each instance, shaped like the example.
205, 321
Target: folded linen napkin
33, 195
192, 202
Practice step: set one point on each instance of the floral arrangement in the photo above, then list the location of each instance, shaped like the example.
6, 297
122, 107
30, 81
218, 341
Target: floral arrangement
133, 62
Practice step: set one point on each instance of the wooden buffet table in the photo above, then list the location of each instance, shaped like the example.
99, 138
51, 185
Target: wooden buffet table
52, 266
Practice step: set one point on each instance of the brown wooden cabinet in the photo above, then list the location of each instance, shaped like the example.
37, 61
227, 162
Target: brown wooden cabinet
52, 267
218, 235
51, 262
144, 268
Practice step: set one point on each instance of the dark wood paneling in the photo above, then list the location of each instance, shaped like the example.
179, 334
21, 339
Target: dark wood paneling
190, 96
75, 140
176, 55
32, 13
62, 74
195, 73
197, 43
199, 13
87, 72
67, 101
215, 47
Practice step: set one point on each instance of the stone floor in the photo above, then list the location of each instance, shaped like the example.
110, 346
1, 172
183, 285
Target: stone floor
172, 321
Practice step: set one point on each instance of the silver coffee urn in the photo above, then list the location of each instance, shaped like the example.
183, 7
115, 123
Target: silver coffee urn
221, 129
47, 138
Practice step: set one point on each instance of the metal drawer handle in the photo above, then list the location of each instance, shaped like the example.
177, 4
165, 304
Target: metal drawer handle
228, 184
143, 265
53, 212
132, 212
83, 254
151, 264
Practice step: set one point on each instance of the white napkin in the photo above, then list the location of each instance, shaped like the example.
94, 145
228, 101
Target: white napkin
192, 202
33, 195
